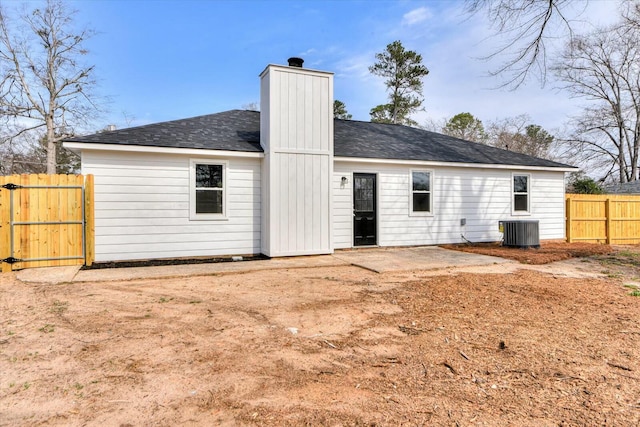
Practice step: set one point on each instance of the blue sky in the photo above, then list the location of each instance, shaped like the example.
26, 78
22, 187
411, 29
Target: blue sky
163, 59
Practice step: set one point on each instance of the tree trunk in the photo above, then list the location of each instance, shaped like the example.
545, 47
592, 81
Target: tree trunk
51, 147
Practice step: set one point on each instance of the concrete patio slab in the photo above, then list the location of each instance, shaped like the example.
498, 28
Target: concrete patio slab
165, 271
382, 260
379, 260
52, 275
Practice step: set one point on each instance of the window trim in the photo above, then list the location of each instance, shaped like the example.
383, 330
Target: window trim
430, 192
513, 195
193, 216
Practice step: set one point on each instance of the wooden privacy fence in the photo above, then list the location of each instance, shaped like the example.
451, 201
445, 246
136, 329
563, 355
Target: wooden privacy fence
605, 218
46, 220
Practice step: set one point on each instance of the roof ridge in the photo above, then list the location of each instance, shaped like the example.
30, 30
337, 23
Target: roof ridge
378, 123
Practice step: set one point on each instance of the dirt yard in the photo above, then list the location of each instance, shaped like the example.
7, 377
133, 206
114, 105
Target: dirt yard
330, 346
548, 252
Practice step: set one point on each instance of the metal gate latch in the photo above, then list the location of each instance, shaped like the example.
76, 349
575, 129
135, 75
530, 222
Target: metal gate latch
11, 260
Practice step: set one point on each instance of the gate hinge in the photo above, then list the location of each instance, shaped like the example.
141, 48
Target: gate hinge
11, 186
11, 260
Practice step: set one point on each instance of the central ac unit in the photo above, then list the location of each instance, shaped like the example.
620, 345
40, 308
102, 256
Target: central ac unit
521, 234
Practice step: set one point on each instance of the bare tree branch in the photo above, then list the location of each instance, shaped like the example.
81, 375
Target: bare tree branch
602, 68
43, 84
527, 25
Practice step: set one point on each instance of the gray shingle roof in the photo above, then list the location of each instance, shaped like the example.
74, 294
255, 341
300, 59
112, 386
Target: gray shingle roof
239, 130
632, 187
234, 130
386, 141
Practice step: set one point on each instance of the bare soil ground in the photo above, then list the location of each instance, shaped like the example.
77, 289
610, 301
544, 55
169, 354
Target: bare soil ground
330, 346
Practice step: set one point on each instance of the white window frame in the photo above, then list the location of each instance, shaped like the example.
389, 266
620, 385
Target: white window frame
513, 195
192, 190
430, 192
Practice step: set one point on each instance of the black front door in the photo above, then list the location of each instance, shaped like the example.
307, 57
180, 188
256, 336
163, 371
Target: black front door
364, 209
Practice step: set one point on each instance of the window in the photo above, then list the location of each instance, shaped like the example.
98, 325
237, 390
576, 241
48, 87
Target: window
420, 198
364, 193
521, 194
208, 189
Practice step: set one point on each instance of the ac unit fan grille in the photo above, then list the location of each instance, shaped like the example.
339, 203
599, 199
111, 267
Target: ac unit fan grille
521, 234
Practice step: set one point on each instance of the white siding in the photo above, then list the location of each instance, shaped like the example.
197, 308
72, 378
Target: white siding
342, 208
297, 135
142, 208
481, 196
265, 114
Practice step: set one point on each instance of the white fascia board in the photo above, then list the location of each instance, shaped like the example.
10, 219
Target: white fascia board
289, 69
79, 146
453, 164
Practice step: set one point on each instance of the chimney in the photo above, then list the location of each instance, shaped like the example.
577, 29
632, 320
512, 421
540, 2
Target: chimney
295, 62
296, 134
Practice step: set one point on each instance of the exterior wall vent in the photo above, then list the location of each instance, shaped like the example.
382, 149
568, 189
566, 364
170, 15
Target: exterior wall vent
521, 234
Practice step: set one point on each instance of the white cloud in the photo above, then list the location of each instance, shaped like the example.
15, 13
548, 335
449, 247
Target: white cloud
416, 16
355, 66
308, 52
587, 16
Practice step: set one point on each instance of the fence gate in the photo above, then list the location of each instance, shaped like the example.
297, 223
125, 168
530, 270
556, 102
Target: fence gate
45, 220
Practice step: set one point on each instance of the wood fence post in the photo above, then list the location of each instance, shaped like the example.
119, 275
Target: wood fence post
568, 220
89, 221
607, 214
5, 230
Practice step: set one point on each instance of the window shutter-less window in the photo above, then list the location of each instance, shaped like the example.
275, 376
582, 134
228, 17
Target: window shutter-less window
521, 193
421, 191
209, 188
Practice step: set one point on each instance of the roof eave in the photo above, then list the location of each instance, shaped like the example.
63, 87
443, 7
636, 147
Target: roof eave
80, 146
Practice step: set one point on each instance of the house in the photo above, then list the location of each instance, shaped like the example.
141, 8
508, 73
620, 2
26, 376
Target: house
632, 187
292, 180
